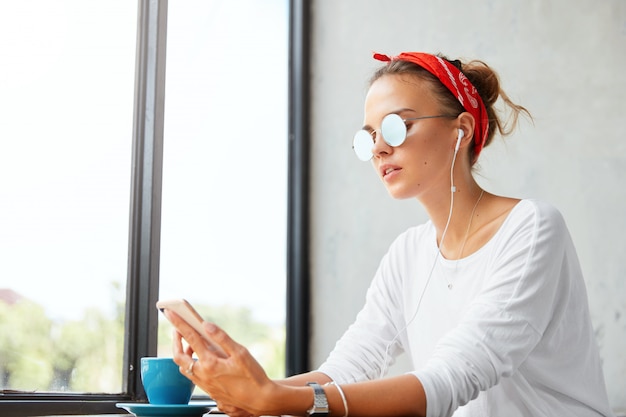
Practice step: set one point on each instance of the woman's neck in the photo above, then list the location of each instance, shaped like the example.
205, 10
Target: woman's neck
456, 217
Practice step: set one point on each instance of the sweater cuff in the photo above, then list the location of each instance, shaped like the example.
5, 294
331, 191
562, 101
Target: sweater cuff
438, 396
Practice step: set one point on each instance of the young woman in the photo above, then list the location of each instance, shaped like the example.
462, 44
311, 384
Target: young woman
487, 297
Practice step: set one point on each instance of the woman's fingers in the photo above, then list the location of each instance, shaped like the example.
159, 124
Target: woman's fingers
221, 338
183, 357
233, 411
181, 325
231, 377
195, 340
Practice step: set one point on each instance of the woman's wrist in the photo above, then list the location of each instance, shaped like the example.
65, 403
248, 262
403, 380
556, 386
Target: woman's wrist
292, 396
297, 400
283, 399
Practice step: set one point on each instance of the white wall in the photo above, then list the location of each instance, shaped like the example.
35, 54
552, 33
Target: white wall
564, 60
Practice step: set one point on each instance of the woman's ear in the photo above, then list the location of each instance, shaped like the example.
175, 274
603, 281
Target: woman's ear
466, 124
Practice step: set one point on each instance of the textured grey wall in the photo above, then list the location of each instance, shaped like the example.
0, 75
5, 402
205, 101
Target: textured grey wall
564, 60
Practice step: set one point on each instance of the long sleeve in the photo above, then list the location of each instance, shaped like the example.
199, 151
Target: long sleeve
371, 343
513, 337
525, 338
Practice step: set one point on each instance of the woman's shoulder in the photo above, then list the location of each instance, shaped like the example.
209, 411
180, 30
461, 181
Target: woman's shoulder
535, 217
540, 210
515, 214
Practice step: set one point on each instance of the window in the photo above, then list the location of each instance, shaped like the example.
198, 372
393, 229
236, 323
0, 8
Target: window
72, 166
66, 103
224, 209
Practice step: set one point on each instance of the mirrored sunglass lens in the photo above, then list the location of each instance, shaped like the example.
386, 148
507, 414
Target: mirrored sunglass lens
362, 145
393, 130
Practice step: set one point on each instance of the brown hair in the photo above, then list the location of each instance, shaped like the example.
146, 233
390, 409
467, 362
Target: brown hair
485, 80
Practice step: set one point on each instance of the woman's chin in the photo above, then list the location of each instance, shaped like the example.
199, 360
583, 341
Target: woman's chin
398, 194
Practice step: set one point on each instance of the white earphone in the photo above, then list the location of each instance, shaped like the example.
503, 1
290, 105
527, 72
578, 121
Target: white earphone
458, 140
443, 236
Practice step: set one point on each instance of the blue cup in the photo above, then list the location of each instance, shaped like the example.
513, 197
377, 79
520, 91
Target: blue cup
163, 382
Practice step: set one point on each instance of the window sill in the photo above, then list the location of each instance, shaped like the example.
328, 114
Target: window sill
74, 407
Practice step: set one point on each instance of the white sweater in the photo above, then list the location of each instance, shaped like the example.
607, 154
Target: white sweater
512, 337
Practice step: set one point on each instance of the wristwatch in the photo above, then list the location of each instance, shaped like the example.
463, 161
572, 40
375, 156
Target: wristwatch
320, 403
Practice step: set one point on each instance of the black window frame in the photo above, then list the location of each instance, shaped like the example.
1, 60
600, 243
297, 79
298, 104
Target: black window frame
145, 217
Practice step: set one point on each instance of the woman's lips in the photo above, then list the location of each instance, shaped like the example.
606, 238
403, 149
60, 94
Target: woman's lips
389, 171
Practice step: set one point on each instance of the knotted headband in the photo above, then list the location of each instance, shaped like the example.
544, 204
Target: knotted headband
459, 86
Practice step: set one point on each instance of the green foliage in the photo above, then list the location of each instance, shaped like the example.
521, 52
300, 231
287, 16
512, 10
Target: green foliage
86, 355
24, 347
265, 343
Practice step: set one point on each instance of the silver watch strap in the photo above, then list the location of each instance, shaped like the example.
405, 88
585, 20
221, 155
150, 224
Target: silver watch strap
320, 402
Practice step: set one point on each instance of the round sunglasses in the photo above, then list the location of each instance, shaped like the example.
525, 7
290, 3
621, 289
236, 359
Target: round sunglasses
393, 130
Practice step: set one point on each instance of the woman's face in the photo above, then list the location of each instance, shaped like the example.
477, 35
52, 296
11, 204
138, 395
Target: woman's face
422, 163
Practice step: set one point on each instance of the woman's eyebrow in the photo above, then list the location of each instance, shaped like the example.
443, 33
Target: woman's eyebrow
402, 110
398, 112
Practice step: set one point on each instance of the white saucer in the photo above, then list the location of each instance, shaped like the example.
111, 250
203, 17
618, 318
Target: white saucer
168, 410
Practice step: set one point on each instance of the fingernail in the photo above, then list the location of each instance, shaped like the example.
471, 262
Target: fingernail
210, 327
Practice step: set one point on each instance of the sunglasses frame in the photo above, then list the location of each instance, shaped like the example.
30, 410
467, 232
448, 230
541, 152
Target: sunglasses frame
408, 119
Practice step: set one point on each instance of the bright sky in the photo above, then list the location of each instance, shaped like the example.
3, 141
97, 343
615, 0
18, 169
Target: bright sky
66, 86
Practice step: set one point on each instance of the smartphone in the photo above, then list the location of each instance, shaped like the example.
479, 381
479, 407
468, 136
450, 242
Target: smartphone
186, 311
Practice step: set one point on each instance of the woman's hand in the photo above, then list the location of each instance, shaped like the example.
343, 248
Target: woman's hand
236, 382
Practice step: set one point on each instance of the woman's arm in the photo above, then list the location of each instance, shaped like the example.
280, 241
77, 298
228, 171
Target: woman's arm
396, 396
365, 398
302, 379
241, 387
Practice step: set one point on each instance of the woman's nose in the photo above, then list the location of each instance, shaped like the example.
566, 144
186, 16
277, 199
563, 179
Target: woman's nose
380, 146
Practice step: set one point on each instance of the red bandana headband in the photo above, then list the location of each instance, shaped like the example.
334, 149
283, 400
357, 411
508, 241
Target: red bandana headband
457, 83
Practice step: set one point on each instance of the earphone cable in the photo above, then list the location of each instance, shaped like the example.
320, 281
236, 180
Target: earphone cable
430, 274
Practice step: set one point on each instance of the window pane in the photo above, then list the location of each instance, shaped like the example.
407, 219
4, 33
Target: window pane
223, 236
66, 107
